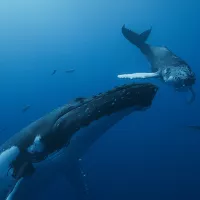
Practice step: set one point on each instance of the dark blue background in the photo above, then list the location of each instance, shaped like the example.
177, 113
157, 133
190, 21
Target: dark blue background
148, 155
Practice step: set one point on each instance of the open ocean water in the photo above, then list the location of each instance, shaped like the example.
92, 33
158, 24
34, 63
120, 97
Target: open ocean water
150, 155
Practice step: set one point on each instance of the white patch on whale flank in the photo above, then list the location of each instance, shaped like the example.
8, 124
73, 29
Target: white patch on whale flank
37, 146
10, 196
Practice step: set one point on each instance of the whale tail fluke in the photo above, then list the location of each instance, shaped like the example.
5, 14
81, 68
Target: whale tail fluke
138, 40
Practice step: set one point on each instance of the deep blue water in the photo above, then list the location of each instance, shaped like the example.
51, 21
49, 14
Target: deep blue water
148, 155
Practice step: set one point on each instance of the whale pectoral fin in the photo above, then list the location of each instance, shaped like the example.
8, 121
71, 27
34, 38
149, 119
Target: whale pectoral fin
139, 75
12, 193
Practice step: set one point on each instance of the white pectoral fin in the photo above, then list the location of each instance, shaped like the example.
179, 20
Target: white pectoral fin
139, 75
12, 193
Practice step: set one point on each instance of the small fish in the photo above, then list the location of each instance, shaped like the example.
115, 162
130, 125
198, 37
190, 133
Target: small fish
80, 99
54, 72
3, 130
194, 127
27, 107
70, 70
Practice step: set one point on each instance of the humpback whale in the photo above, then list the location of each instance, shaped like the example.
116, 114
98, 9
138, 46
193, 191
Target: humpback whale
54, 143
165, 65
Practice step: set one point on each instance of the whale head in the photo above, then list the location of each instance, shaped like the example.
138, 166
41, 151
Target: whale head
181, 77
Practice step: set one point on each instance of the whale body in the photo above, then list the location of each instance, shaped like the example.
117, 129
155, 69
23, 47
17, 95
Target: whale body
165, 65
54, 144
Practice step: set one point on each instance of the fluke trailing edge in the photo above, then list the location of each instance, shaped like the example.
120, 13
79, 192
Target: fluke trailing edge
165, 65
68, 131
